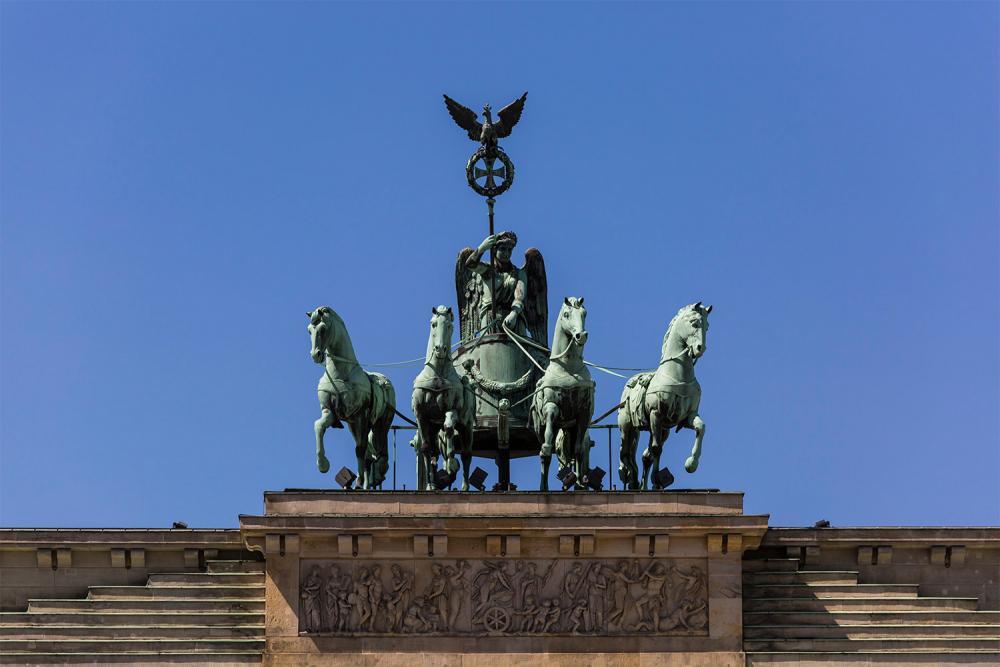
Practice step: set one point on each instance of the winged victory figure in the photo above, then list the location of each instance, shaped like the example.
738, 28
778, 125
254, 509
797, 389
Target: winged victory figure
518, 297
487, 132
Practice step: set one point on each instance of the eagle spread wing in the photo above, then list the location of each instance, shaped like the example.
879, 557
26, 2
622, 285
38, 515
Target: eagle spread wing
466, 119
536, 311
508, 116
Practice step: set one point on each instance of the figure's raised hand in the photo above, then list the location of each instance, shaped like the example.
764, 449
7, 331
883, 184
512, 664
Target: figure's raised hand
488, 243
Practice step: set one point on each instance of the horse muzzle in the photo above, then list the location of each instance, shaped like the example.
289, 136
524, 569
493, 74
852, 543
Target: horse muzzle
316, 355
580, 338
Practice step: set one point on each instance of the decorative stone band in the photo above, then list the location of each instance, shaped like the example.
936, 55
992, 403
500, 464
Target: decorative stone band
504, 597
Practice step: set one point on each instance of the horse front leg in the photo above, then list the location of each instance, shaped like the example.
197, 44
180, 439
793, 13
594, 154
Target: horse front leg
550, 413
428, 452
699, 432
324, 422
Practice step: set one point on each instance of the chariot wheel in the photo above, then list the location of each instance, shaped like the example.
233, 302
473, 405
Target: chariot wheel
496, 619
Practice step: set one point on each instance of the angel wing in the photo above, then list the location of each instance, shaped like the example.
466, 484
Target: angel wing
467, 292
507, 117
466, 119
536, 306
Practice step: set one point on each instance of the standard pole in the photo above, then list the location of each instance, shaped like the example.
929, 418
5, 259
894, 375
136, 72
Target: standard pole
493, 263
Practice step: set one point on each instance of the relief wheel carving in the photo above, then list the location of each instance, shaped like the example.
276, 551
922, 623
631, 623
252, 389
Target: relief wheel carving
496, 619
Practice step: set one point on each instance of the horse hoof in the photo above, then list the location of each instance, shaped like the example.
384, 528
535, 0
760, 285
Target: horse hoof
691, 464
323, 464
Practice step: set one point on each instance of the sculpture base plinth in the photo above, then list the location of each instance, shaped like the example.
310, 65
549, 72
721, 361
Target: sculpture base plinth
449, 578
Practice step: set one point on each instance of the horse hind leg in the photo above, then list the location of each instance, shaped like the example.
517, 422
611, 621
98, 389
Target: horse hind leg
691, 464
651, 457
628, 472
550, 413
360, 434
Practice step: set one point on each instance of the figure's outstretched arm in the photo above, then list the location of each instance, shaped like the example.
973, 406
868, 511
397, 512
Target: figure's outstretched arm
473, 261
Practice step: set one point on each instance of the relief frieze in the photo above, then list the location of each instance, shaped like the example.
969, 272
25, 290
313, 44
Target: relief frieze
504, 597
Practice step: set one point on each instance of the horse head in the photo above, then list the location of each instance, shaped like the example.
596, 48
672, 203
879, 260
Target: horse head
321, 332
572, 320
442, 327
690, 328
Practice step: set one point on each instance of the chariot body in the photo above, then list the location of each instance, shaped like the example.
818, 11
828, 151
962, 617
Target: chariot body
503, 346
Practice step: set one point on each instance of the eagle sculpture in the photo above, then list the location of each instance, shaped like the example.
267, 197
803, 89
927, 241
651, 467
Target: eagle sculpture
487, 132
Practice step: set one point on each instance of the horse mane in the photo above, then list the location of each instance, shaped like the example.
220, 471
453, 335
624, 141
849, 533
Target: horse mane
684, 310
348, 346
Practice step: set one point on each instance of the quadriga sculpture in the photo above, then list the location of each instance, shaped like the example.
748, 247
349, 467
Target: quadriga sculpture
444, 406
564, 396
366, 401
667, 398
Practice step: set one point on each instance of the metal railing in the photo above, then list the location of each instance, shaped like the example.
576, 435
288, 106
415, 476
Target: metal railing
607, 427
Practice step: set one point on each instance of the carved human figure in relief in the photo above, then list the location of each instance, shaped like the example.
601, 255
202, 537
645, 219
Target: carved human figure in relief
437, 593
416, 619
652, 580
359, 597
375, 592
399, 598
516, 297
597, 588
310, 594
331, 588
577, 616
457, 590
621, 578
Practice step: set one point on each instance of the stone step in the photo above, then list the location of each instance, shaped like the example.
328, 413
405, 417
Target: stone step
97, 646
876, 630
146, 605
99, 618
227, 658
771, 565
823, 590
61, 631
173, 591
858, 604
865, 617
894, 644
219, 566
951, 658
801, 577
207, 579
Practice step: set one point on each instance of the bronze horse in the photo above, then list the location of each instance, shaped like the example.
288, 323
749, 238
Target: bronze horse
366, 401
667, 398
444, 406
563, 404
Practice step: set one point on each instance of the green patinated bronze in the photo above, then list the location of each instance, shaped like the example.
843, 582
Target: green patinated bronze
366, 401
503, 392
664, 399
563, 404
444, 406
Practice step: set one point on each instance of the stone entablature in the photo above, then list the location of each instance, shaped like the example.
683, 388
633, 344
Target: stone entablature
472, 573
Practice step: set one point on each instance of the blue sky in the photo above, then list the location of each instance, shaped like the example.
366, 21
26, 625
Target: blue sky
180, 182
